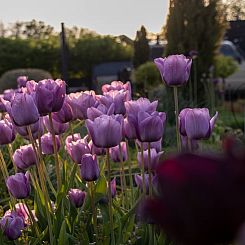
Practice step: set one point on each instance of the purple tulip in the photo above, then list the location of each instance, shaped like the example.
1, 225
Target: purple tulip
47, 143
22, 80
18, 185
77, 148
115, 153
22, 211
31, 87
96, 150
153, 161
8, 94
59, 128
150, 126
129, 130
196, 123
50, 95
89, 168
80, 102
106, 131
117, 98
175, 69
7, 131
24, 157
76, 197
12, 226
133, 107
113, 184
139, 182
99, 110
118, 85
36, 128
157, 145
22, 109
65, 114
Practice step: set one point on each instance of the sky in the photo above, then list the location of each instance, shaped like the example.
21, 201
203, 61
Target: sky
113, 17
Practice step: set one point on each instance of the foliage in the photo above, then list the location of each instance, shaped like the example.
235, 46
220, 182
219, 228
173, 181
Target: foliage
9, 78
196, 25
225, 66
147, 77
235, 9
141, 48
35, 45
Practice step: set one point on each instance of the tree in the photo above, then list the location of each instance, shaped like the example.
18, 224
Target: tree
196, 25
141, 48
235, 9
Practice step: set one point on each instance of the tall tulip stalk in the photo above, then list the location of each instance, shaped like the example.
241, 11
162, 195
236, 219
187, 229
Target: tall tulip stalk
175, 72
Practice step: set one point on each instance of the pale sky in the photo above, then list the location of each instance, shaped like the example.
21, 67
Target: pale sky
103, 16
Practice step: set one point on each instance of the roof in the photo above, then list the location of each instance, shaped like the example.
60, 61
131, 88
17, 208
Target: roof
110, 68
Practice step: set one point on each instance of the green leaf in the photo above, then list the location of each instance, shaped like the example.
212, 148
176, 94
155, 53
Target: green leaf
63, 239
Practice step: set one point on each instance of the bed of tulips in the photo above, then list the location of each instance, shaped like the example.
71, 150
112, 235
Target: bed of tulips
86, 160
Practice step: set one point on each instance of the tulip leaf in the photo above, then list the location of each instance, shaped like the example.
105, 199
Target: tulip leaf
101, 185
63, 239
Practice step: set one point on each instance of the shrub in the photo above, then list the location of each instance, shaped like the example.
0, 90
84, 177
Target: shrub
9, 79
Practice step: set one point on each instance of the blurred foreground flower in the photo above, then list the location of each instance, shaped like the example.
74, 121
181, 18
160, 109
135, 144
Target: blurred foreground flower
201, 199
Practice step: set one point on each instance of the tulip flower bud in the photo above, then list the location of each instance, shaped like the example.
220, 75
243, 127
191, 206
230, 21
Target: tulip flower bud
117, 98
105, 131
24, 157
196, 123
18, 185
129, 130
80, 102
7, 131
139, 182
116, 154
50, 95
174, 70
118, 85
22, 109
65, 114
22, 80
96, 150
89, 168
12, 226
150, 126
59, 128
113, 188
76, 197
153, 161
100, 109
36, 128
77, 148
47, 143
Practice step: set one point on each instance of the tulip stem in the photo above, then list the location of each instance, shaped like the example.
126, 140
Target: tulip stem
4, 166
94, 211
130, 173
43, 186
57, 165
176, 103
10, 150
143, 168
110, 197
122, 176
149, 169
32, 219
